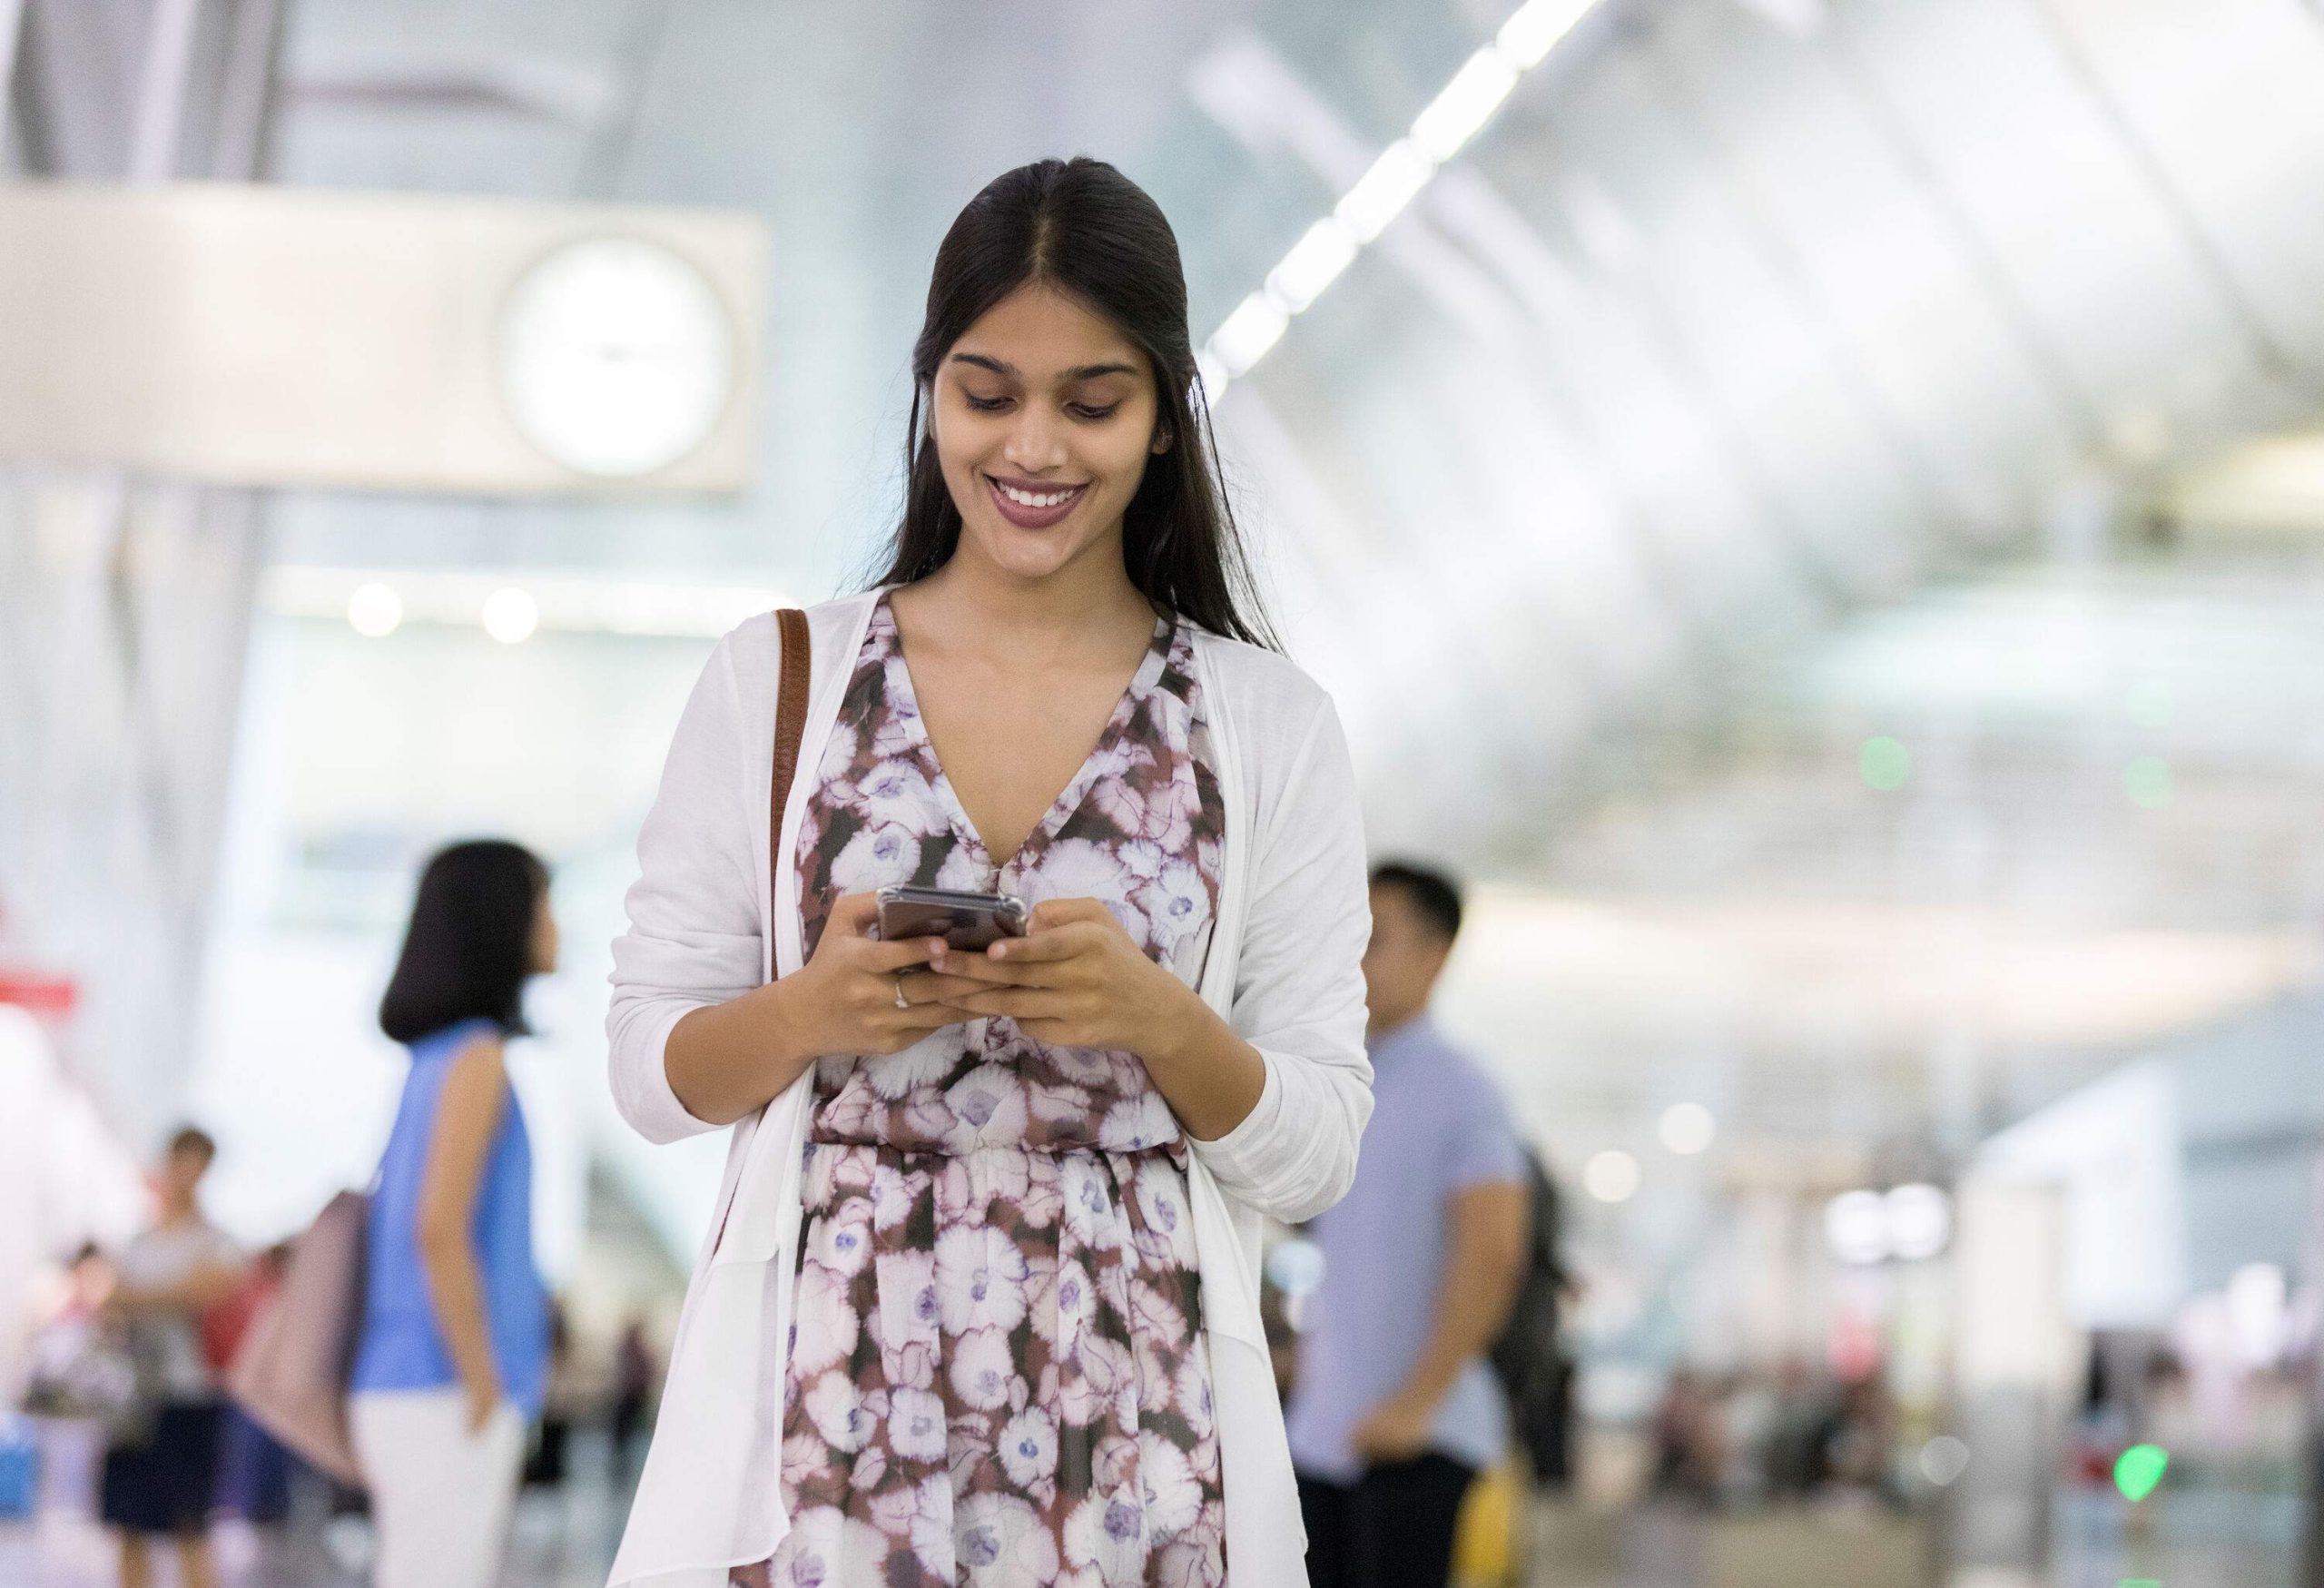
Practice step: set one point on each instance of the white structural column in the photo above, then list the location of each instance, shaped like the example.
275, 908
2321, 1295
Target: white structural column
2014, 1361
2311, 1565
64, 1178
124, 614
161, 88
12, 28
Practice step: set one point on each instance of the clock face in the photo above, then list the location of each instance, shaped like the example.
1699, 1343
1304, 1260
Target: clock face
616, 357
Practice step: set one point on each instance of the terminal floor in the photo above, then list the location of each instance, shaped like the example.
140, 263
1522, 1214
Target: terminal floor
564, 1539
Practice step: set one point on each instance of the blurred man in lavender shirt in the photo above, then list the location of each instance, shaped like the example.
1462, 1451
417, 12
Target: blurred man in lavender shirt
1395, 1410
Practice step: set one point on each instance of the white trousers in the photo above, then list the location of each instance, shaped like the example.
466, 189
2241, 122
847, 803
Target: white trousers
441, 1497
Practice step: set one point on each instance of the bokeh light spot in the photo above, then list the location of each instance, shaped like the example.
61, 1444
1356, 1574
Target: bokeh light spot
1297, 1266
1920, 1221
511, 616
1944, 1459
1612, 1176
1884, 763
1855, 1223
2138, 1469
2147, 781
374, 610
1688, 1129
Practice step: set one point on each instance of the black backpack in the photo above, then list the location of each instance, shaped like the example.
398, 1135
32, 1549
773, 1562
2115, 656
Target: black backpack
1529, 1359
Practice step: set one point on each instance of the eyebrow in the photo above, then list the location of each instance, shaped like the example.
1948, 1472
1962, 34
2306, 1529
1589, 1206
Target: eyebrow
1084, 372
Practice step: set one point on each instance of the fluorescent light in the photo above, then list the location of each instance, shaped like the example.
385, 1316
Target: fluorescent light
1380, 193
374, 610
2256, 1296
1688, 1129
1314, 263
563, 602
1455, 115
1612, 1176
1256, 325
511, 616
1855, 1223
1920, 1221
1467, 103
1534, 28
1210, 372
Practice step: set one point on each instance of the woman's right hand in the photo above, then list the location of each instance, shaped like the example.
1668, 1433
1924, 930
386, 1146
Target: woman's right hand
725, 1060
843, 999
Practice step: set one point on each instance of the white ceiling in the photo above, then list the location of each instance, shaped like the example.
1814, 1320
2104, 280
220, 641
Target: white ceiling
1739, 317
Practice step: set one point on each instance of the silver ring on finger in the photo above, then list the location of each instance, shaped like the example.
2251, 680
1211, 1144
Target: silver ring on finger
901, 1001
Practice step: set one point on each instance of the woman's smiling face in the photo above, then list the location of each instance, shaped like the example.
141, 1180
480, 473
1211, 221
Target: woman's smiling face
1044, 419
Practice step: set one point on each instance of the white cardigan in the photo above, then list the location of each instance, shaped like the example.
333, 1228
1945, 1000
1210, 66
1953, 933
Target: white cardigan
1283, 968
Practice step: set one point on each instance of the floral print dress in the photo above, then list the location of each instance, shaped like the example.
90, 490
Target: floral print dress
996, 1369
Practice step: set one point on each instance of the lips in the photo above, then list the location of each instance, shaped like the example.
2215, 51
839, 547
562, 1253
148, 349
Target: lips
1033, 504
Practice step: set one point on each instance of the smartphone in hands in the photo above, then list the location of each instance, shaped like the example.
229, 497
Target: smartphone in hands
963, 920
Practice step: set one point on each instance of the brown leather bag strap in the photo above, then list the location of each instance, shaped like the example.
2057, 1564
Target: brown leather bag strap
789, 727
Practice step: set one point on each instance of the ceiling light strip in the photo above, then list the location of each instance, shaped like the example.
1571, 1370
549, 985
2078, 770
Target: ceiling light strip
378, 602
1440, 132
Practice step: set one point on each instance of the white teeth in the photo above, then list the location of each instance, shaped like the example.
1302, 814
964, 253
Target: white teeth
1027, 499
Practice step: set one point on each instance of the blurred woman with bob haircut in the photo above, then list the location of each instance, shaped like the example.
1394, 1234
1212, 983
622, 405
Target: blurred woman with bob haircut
453, 1353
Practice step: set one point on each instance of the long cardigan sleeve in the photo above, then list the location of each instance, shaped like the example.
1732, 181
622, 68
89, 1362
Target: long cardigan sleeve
694, 937
1299, 983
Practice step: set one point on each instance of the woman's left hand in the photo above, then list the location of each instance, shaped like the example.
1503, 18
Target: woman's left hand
1075, 980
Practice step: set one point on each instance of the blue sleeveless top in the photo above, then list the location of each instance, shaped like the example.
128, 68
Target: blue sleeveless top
400, 1347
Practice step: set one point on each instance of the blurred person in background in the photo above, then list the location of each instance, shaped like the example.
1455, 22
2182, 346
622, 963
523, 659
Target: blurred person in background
1012, 1358
66, 1326
635, 1369
1395, 1410
162, 1485
62, 1323
1752, 1414
453, 1355
1796, 1461
254, 1469
1861, 1436
564, 1399
1686, 1443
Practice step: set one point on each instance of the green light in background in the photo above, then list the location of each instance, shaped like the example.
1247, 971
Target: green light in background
2147, 781
2140, 1583
1884, 763
2138, 1469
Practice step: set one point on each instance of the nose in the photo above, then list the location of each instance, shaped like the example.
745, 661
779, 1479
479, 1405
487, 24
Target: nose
1036, 442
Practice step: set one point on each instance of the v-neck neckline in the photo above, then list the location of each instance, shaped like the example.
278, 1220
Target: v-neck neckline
1076, 788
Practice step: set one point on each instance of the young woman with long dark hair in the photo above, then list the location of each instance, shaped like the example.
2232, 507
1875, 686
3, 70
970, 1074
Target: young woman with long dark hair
454, 1345
981, 1301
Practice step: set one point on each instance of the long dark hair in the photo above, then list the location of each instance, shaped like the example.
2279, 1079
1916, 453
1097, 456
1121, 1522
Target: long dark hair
469, 948
1084, 228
